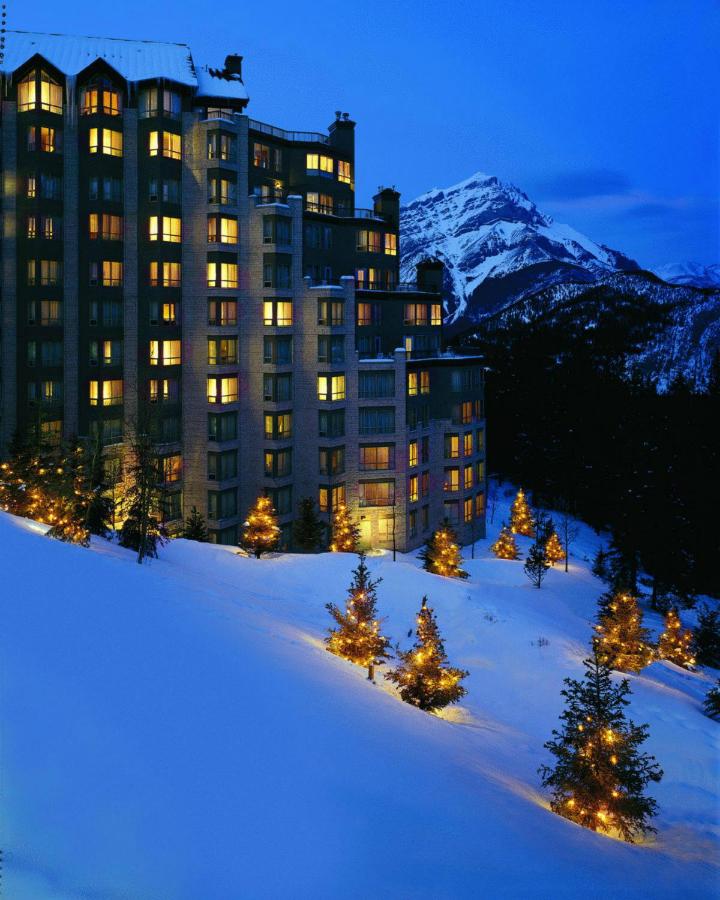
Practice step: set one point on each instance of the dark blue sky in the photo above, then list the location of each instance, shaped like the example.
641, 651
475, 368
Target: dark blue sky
605, 112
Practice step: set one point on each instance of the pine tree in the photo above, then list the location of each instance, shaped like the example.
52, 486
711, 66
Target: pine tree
358, 637
261, 532
600, 566
142, 532
423, 676
521, 518
536, 565
441, 554
554, 551
100, 506
675, 644
707, 637
711, 704
505, 547
621, 641
600, 774
68, 495
308, 530
345, 533
196, 527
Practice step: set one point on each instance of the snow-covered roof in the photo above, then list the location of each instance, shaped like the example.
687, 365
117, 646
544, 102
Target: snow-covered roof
133, 60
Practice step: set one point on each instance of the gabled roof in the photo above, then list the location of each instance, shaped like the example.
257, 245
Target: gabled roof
133, 60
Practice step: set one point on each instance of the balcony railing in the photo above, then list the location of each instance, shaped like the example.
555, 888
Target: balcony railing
303, 137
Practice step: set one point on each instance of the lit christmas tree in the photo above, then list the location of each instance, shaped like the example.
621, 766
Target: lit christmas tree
358, 637
711, 704
505, 547
600, 775
676, 644
554, 551
441, 555
423, 677
345, 533
195, 527
261, 532
521, 518
621, 641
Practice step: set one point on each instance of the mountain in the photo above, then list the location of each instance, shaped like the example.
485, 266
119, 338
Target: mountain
690, 273
505, 258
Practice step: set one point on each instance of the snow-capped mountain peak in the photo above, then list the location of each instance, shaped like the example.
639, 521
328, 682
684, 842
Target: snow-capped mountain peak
690, 273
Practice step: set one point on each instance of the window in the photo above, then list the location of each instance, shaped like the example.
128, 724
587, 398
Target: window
163, 313
165, 228
452, 446
344, 172
412, 384
45, 312
479, 440
221, 146
221, 190
27, 92
261, 156
415, 314
412, 454
52, 431
436, 314
413, 494
277, 350
331, 348
372, 385
377, 457
166, 353
105, 188
46, 140
100, 97
46, 272
467, 510
222, 230
330, 498
45, 392
320, 203
424, 381
412, 523
466, 412
156, 101
278, 313
105, 226
278, 426
277, 388
331, 423
277, 230
468, 477
222, 312
367, 279
47, 98
222, 426
425, 449
222, 351
377, 420
452, 480
163, 390
222, 390
479, 506
376, 493
369, 241
331, 460
165, 189
222, 504
222, 466
451, 511
318, 163
222, 275
108, 273
331, 387
111, 393
109, 353
390, 244
165, 274
331, 312
468, 444
106, 141
277, 274
165, 143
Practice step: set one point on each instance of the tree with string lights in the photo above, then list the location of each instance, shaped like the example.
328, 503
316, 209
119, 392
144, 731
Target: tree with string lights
423, 677
358, 636
600, 774
261, 532
554, 551
505, 547
676, 643
521, 517
345, 532
441, 554
621, 640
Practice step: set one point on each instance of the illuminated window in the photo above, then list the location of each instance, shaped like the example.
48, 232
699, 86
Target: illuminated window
468, 444
369, 241
220, 146
221, 190
222, 230
112, 273
367, 279
278, 426
166, 274
331, 312
48, 98
331, 387
172, 468
31, 230
31, 187
413, 489
316, 202
376, 493
466, 412
344, 172
412, 384
171, 229
479, 505
468, 477
100, 97
436, 314
106, 141
222, 390
112, 392
330, 498
222, 312
364, 313
390, 244
415, 314
452, 480
468, 509
261, 156
222, 275
278, 312
94, 393
27, 92
50, 312
377, 457
171, 352
222, 351
165, 143
424, 382
412, 454
47, 140
452, 446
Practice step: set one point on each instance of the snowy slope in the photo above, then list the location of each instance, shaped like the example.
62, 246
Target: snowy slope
178, 731
690, 273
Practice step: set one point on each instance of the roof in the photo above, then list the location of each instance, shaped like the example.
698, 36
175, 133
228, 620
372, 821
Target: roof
133, 60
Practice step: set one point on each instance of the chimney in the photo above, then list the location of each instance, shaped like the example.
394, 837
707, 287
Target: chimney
430, 275
233, 65
386, 203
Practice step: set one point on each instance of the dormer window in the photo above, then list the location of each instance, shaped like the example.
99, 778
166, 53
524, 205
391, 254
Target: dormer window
100, 96
37, 90
159, 102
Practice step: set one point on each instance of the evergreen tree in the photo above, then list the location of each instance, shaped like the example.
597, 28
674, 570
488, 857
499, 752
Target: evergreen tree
521, 518
308, 530
261, 532
536, 564
707, 637
599, 776
711, 704
600, 566
100, 506
676, 644
68, 495
423, 677
345, 533
554, 552
505, 547
621, 641
441, 554
142, 532
196, 527
358, 637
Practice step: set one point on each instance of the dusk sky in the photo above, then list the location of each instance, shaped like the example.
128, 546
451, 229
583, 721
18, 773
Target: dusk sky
605, 113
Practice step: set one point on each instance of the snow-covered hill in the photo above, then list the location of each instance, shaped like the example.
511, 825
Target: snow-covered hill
178, 731
503, 256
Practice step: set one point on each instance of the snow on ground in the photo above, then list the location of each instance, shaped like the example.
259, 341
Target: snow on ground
177, 732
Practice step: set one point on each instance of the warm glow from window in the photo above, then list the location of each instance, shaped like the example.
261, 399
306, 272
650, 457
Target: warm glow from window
412, 384
344, 172
331, 387
112, 273
390, 244
412, 453
27, 92
222, 390
413, 488
436, 314
106, 141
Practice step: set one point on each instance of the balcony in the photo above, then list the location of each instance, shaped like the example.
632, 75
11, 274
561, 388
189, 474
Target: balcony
301, 137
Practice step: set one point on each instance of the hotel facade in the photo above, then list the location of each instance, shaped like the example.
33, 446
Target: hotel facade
168, 260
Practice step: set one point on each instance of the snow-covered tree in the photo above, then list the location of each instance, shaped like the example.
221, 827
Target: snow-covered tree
676, 643
441, 554
423, 677
621, 641
600, 775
